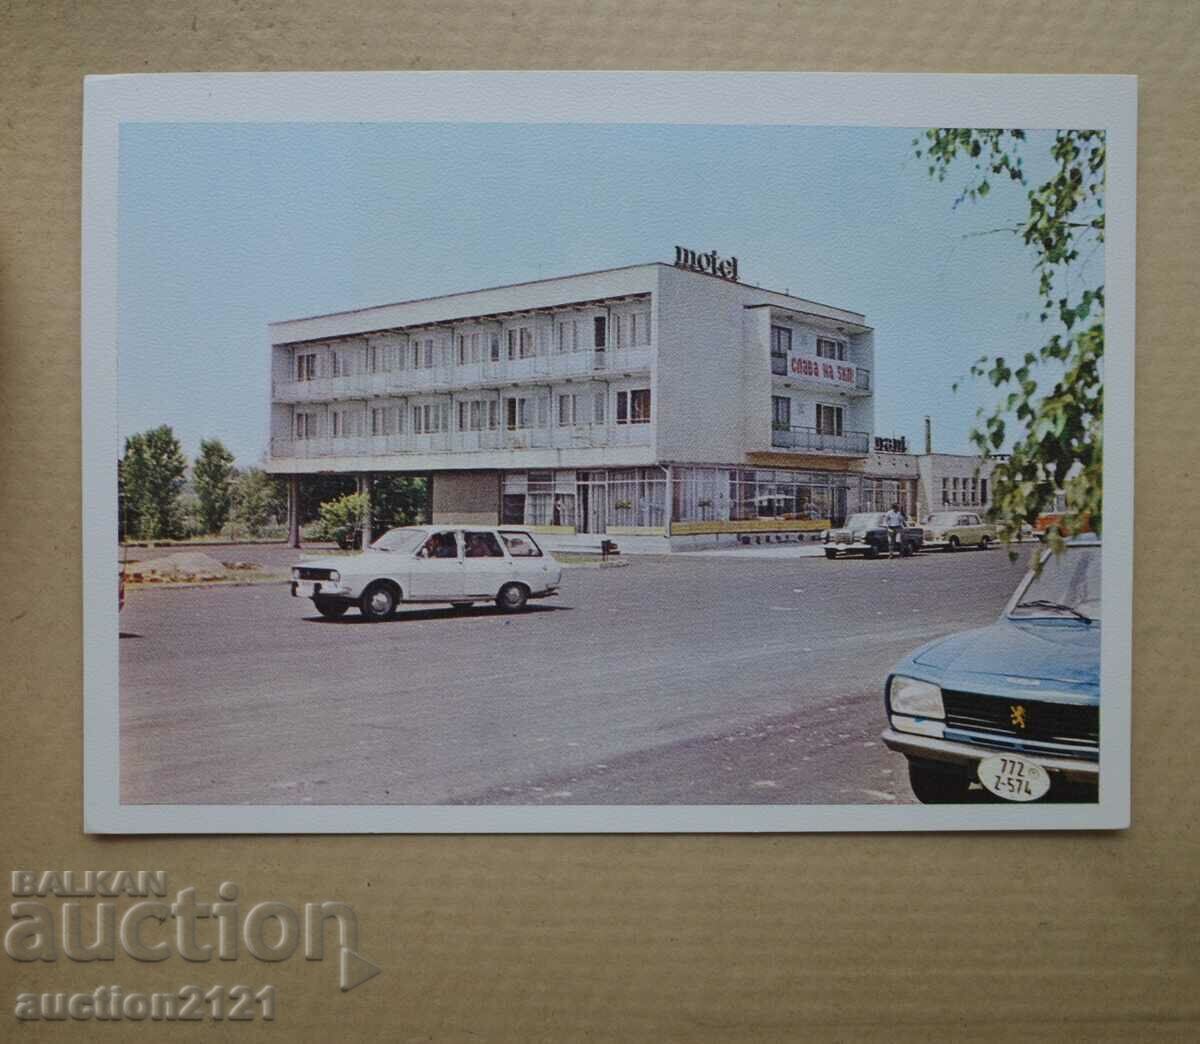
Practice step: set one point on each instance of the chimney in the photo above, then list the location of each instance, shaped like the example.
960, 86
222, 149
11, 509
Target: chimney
928, 435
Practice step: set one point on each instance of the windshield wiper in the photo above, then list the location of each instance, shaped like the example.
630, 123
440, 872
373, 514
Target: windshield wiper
1045, 603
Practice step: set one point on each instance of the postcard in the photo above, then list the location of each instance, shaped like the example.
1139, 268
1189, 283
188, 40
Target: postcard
607, 452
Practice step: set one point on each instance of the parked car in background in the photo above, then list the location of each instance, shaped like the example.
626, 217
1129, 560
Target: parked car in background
958, 529
458, 565
865, 534
1014, 707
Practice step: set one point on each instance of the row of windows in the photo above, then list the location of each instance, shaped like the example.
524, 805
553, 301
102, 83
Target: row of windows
964, 491
518, 411
517, 342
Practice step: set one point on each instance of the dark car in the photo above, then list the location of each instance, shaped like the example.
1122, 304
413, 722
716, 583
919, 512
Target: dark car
1014, 707
865, 534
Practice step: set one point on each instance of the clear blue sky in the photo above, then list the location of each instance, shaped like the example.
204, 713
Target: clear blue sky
224, 228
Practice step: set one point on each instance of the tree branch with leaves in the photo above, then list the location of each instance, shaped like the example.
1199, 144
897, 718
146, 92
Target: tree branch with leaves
1054, 391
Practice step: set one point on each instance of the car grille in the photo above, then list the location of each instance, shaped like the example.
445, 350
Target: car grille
313, 574
1062, 724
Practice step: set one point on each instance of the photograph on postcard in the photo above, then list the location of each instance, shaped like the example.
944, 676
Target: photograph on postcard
556, 464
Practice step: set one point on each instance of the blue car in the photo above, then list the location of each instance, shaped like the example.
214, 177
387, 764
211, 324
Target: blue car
1014, 707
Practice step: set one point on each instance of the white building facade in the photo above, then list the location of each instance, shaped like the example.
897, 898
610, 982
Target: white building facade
663, 400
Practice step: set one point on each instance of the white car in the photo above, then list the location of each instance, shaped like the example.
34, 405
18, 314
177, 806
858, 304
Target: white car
459, 565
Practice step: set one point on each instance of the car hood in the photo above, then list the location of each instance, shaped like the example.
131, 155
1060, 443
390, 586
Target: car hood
1017, 655
367, 560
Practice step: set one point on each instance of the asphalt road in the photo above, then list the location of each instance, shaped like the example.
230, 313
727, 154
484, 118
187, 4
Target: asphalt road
673, 680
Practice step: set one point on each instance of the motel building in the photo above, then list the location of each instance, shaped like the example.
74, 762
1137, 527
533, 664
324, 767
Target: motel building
661, 400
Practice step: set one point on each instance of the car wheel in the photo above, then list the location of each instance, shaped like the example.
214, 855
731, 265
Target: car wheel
984, 542
378, 601
830, 553
934, 785
954, 544
330, 609
512, 597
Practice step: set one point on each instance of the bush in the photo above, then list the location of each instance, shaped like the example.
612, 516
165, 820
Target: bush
340, 518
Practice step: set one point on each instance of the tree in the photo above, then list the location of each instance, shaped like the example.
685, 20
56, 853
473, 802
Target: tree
1058, 444
398, 500
152, 471
258, 500
340, 518
213, 478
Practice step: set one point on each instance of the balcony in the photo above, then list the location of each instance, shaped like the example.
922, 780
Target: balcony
583, 436
489, 373
818, 371
810, 440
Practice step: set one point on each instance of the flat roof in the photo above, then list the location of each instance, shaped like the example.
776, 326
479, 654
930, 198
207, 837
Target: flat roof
555, 279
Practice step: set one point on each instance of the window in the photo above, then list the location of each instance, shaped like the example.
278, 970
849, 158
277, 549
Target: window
517, 413
527, 348
462, 349
781, 413
599, 331
338, 365
983, 498
374, 359
440, 545
493, 415
974, 492
600, 407
633, 329
641, 322
482, 545
379, 420
781, 345
567, 410
431, 417
429, 353
306, 366
945, 491
829, 419
463, 416
954, 490
566, 336
633, 407
521, 545
306, 425
494, 347
827, 348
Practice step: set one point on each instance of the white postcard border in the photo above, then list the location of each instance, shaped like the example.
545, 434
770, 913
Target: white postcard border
883, 100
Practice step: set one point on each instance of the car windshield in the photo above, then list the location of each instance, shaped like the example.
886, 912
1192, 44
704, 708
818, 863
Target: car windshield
399, 540
1067, 587
863, 521
942, 520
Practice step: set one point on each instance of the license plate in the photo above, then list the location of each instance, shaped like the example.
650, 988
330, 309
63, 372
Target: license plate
1013, 778
306, 588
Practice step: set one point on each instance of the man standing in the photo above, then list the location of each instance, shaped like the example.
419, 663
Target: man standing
894, 521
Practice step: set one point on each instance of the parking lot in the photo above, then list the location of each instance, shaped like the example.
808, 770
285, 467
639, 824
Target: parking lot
682, 679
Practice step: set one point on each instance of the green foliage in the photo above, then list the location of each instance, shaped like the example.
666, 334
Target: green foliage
397, 500
212, 475
339, 518
1057, 443
258, 500
152, 471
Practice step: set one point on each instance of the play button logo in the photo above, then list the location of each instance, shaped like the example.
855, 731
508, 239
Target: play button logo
355, 970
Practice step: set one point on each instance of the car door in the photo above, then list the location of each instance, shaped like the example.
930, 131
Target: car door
437, 569
972, 530
485, 566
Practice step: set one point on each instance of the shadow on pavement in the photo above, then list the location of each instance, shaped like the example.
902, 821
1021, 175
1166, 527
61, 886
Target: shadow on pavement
476, 612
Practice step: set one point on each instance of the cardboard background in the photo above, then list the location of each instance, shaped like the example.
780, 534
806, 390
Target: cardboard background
712, 938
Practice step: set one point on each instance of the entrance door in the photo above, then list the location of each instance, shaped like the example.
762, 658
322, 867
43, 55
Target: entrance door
837, 508
591, 507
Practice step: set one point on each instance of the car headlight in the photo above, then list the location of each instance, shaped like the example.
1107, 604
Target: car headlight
917, 699
295, 572
336, 578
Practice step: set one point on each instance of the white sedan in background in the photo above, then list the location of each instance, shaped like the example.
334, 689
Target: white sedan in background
459, 565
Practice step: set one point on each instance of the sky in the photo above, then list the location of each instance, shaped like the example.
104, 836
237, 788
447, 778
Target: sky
224, 228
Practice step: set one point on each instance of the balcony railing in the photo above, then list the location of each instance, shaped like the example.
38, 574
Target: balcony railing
489, 372
582, 436
812, 440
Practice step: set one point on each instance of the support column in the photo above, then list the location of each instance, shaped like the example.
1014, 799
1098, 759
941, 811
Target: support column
293, 511
364, 487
